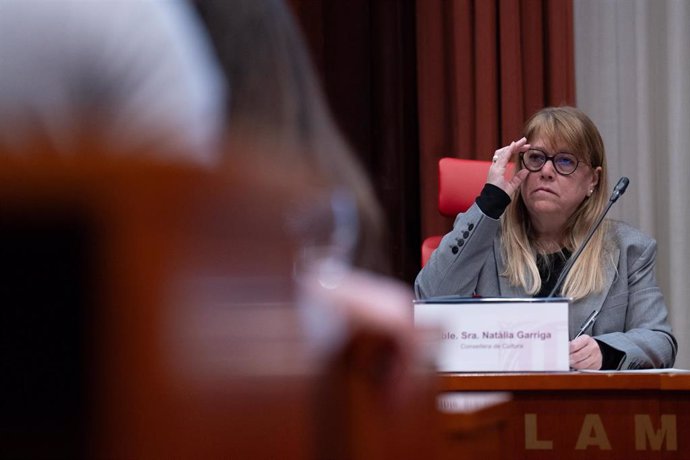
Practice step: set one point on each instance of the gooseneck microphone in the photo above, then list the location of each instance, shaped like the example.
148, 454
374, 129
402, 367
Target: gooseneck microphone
618, 190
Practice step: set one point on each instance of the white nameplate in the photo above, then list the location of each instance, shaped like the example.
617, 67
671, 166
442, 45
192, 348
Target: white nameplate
497, 335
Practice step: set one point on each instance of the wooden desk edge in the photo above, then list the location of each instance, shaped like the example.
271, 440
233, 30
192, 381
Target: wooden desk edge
562, 381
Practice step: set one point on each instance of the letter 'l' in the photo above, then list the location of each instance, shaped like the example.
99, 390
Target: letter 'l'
531, 441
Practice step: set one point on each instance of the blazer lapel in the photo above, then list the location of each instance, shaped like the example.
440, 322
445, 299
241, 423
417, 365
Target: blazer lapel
582, 308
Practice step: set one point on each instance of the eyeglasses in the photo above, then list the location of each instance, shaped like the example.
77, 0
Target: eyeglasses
535, 159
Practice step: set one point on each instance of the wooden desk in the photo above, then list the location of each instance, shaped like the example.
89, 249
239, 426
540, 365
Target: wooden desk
589, 415
149, 311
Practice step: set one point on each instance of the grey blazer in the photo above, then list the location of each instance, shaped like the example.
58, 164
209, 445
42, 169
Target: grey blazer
633, 317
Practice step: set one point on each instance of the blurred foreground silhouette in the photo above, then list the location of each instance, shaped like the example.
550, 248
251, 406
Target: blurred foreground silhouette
151, 310
156, 307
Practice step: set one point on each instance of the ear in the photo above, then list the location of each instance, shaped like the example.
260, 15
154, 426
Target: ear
595, 177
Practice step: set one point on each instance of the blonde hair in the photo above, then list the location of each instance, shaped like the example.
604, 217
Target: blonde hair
571, 127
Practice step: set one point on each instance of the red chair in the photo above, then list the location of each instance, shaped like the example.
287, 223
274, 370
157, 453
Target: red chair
459, 183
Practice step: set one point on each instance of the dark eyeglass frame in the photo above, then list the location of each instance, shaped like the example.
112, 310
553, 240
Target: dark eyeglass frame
552, 159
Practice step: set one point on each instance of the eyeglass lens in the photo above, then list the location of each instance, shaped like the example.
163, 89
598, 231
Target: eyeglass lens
565, 163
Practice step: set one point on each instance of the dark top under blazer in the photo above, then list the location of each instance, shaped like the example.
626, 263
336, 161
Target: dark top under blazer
633, 317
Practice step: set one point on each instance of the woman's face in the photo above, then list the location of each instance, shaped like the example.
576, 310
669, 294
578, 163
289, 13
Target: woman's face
549, 194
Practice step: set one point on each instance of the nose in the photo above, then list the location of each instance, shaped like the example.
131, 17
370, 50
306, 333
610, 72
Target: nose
548, 170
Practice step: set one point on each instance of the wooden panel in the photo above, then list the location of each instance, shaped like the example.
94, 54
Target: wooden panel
476, 425
591, 416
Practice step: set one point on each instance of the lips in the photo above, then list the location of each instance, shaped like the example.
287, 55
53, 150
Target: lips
544, 189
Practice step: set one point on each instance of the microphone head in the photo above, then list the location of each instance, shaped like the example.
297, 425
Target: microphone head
620, 187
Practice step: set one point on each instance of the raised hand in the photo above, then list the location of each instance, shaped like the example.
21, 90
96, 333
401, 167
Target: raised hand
500, 160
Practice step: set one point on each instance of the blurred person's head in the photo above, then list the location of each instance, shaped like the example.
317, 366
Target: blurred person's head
276, 102
129, 76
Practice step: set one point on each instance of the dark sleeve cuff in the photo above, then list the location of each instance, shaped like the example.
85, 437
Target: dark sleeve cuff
493, 201
611, 358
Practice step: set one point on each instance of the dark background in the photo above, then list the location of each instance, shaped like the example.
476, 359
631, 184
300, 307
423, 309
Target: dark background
365, 52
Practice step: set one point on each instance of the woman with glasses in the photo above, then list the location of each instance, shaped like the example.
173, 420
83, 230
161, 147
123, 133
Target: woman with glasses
516, 239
